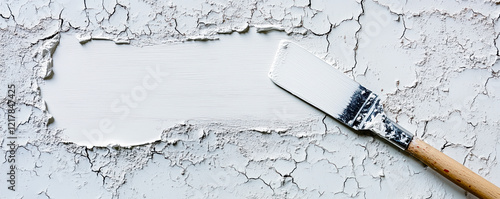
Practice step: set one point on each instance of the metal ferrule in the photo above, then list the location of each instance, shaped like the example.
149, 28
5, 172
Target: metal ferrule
372, 117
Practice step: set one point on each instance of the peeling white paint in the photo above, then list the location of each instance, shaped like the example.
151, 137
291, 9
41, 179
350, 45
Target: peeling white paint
435, 63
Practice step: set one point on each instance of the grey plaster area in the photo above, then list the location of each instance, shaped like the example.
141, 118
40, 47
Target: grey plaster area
434, 63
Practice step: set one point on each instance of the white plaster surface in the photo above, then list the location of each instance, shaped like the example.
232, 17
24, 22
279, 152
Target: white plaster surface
147, 89
434, 63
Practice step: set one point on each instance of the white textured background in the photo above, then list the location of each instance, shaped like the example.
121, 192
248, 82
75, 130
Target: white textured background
434, 63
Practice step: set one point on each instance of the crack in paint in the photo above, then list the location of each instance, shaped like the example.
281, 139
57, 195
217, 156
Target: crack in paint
212, 142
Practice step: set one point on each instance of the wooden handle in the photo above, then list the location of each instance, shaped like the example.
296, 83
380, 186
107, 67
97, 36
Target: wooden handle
454, 171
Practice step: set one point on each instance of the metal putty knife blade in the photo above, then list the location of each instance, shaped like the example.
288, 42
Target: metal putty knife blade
311, 79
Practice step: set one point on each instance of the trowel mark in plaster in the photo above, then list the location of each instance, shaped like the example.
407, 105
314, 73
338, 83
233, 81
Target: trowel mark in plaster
102, 93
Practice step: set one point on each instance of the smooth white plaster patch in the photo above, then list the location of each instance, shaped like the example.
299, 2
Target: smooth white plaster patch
102, 93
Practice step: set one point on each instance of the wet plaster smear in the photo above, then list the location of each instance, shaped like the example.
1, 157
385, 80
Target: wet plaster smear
146, 99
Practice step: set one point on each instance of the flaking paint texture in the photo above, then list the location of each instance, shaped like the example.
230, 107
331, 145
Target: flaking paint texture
434, 63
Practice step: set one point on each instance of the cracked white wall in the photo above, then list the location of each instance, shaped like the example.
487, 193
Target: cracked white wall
434, 62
